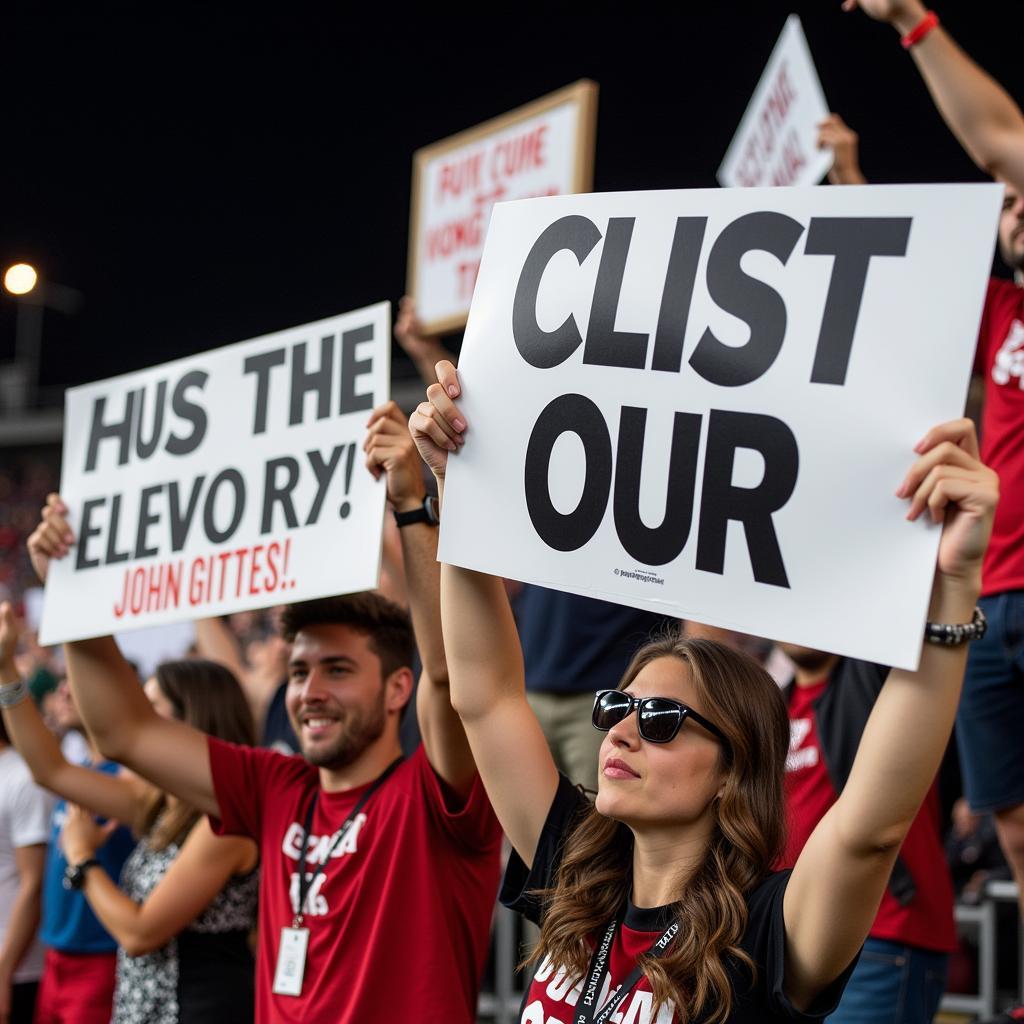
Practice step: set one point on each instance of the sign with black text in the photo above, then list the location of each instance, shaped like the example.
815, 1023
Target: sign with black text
702, 402
228, 480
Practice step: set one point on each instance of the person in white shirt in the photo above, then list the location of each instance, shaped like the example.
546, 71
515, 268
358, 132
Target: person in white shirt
24, 830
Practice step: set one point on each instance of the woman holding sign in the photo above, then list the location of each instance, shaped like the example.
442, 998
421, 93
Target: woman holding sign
187, 900
659, 901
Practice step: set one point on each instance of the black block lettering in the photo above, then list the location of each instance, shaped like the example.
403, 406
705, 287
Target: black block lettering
190, 412
579, 415
304, 381
751, 506
759, 305
100, 431
181, 522
113, 555
540, 348
86, 532
605, 345
234, 480
853, 241
351, 368
660, 544
275, 493
146, 520
146, 448
324, 472
678, 293
261, 365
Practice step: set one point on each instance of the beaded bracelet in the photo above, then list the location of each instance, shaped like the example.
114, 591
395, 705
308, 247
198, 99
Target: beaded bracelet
953, 635
13, 693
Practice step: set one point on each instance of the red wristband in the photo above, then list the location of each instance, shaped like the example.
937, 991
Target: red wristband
920, 30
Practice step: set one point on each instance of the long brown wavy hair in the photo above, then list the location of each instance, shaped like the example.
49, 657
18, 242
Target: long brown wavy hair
208, 697
748, 836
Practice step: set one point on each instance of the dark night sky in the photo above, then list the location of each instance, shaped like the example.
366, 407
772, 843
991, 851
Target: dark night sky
205, 177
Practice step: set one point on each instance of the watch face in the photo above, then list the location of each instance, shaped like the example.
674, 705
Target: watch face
432, 509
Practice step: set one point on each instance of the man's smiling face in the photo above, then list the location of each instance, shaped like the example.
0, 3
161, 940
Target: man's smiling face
336, 694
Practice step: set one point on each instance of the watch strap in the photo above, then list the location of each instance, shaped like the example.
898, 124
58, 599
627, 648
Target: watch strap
426, 513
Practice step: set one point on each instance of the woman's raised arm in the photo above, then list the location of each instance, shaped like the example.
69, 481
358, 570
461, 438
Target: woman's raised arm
838, 881
485, 661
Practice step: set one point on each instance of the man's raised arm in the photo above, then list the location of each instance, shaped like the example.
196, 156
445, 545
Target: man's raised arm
390, 449
170, 754
978, 110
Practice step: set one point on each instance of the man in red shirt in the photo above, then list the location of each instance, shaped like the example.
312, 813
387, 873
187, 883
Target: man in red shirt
990, 722
901, 973
378, 874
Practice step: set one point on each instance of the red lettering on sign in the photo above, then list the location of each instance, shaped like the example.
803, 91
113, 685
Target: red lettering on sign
791, 161
752, 167
521, 153
459, 176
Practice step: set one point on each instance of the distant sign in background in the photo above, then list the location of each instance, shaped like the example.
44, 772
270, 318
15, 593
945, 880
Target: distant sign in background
776, 142
228, 480
545, 148
702, 402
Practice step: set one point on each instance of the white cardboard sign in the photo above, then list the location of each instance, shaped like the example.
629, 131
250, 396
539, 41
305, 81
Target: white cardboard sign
702, 402
545, 148
776, 142
224, 481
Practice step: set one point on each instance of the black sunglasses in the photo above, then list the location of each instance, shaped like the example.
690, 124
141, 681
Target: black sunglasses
658, 718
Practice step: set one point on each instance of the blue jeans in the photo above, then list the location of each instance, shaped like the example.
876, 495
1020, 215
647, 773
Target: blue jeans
893, 984
990, 721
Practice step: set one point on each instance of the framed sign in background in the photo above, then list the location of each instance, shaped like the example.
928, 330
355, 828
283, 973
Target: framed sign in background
702, 402
545, 148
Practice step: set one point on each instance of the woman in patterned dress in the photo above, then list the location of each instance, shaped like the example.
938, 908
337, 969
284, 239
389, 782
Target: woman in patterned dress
187, 901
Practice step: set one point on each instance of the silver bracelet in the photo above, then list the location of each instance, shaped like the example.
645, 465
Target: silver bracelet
960, 633
13, 693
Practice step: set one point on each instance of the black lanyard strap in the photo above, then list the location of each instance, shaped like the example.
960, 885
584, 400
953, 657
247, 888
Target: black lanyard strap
306, 881
586, 1008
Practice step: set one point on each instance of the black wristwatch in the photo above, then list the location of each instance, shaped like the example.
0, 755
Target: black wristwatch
430, 513
74, 874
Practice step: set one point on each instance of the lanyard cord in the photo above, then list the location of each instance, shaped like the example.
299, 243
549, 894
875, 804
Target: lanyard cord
586, 1012
306, 881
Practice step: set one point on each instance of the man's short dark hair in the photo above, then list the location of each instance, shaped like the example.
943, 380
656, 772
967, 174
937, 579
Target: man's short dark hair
388, 626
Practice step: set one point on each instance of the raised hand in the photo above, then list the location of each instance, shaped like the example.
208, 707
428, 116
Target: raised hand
52, 538
81, 836
835, 134
437, 425
390, 450
952, 484
901, 14
409, 331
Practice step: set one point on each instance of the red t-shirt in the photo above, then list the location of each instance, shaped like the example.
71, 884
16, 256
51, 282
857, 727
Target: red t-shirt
1000, 357
400, 917
927, 921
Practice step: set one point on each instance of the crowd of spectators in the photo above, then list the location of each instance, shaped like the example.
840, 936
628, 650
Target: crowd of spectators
136, 852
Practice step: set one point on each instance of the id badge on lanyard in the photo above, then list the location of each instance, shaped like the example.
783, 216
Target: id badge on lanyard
294, 945
291, 961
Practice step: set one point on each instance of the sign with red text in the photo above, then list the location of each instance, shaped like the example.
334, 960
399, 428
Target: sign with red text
776, 142
545, 148
229, 480
702, 402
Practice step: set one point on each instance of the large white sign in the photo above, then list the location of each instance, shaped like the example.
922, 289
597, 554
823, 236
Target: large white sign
229, 480
545, 148
776, 142
702, 402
